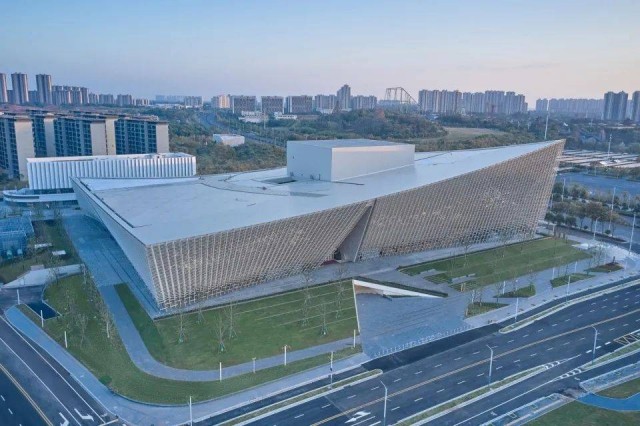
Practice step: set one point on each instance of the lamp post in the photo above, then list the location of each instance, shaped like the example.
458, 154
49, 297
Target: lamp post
490, 363
595, 339
566, 299
254, 365
331, 371
633, 225
384, 410
595, 226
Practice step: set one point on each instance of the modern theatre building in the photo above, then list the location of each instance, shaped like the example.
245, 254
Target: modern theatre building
346, 200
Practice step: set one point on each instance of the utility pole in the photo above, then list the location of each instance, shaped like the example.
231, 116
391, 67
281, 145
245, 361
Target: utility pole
285, 355
331, 371
595, 339
254, 365
595, 225
190, 413
490, 363
384, 411
563, 183
633, 225
568, 284
613, 197
609, 148
515, 319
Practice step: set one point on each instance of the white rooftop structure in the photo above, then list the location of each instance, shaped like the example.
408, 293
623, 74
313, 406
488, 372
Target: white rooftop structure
169, 209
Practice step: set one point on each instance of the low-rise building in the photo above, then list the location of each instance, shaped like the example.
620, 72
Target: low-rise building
229, 140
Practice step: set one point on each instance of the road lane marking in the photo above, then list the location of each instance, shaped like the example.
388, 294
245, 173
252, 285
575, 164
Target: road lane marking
456, 359
375, 388
24, 392
395, 408
624, 325
593, 310
499, 367
325, 406
11, 412
582, 338
440, 390
526, 335
480, 375
566, 343
417, 399
517, 360
418, 372
461, 382
2, 396
579, 315
510, 341
553, 325
351, 396
397, 380
438, 365
534, 354
298, 416
540, 330
476, 352
480, 362
84, 417
608, 343
551, 348
598, 347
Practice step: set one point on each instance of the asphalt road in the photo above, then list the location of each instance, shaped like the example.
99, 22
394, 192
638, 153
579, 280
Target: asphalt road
562, 342
60, 398
15, 408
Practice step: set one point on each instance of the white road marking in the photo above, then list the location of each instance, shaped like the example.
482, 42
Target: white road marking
588, 352
65, 422
87, 417
298, 416
440, 390
612, 328
456, 359
638, 320
624, 325
579, 315
351, 396
10, 411
517, 360
397, 380
418, 399
566, 343
461, 382
499, 367
553, 325
534, 354
438, 365
418, 372
598, 347
551, 348
476, 352
2, 396
593, 310
593, 303
480, 375
608, 343
568, 319
395, 408
540, 330
526, 335
325, 406
375, 388
510, 341
582, 338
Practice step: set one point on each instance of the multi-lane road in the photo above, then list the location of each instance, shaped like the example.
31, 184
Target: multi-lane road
37, 390
561, 342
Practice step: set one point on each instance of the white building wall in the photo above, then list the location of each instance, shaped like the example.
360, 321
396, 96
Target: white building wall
48, 174
308, 161
24, 145
162, 138
348, 163
98, 138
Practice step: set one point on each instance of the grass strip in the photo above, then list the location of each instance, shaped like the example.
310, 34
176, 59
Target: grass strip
564, 280
477, 308
108, 360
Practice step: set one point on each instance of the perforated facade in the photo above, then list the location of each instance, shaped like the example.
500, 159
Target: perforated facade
223, 233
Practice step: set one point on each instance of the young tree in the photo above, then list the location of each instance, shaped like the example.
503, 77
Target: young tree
324, 330
497, 287
340, 295
106, 319
82, 322
230, 321
181, 329
219, 332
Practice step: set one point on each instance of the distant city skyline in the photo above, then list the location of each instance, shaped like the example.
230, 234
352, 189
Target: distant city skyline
541, 49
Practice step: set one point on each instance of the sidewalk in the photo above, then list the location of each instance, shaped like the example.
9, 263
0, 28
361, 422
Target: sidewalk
145, 414
42, 276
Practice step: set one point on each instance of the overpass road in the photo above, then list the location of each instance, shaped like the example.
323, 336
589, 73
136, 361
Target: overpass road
561, 342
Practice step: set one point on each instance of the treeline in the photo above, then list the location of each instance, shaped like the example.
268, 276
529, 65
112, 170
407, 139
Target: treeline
216, 158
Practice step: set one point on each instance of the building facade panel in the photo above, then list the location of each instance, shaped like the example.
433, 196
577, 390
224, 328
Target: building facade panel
507, 199
186, 271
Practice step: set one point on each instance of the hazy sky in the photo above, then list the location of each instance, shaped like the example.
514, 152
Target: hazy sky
542, 48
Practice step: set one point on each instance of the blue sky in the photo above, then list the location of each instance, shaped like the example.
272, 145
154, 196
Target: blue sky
536, 47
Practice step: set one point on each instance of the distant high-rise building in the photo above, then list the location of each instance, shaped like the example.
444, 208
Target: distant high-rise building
142, 102
494, 101
44, 143
445, 102
4, 96
615, 106
473, 103
324, 102
302, 104
124, 100
45, 89
20, 87
80, 136
33, 96
93, 99
16, 144
272, 104
364, 102
107, 99
61, 95
582, 108
635, 107
220, 102
343, 97
193, 101
241, 103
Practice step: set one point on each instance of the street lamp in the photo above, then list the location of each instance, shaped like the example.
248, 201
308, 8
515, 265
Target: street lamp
595, 339
595, 226
384, 411
490, 364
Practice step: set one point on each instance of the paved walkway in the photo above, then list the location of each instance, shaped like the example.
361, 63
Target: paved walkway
42, 276
628, 404
147, 414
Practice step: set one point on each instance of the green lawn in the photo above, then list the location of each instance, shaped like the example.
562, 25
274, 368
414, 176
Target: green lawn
502, 263
527, 291
45, 232
564, 280
262, 326
624, 390
578, 414
108, 360
476, 308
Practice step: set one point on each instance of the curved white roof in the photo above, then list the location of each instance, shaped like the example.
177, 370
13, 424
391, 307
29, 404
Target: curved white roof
158, 210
